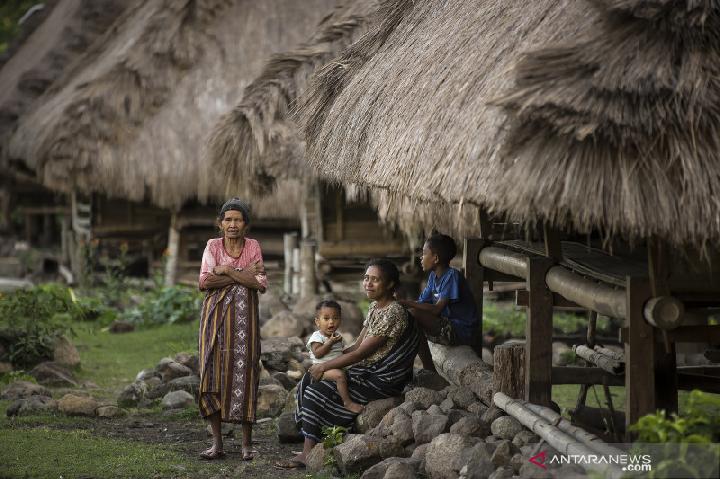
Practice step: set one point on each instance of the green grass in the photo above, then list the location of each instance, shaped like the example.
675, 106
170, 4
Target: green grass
44, 452
113, 360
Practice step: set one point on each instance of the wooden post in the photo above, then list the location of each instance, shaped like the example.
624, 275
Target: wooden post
173, 249
289, 244
639, 355
509, 370
538, 334
308, 280
475, 275
666, 380
296, 270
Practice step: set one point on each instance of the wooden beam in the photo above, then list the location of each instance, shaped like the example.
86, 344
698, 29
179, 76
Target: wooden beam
639, 355
559, 302
475, 276
578, 375
538, 334
688, 382
509, 370
173, 249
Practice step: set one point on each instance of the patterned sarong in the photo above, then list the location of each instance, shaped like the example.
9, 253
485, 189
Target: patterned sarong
229, 351
319, 404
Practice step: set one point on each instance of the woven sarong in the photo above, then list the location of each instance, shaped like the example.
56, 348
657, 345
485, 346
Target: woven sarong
229, 351
320, 405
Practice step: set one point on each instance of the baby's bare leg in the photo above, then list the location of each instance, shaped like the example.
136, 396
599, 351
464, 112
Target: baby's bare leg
338, 376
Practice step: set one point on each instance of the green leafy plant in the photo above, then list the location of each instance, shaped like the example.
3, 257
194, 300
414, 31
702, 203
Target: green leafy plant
32, 319
332, 436
166, 305
699, 426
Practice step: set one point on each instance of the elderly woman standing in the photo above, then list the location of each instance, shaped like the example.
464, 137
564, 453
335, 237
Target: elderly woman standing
229, 348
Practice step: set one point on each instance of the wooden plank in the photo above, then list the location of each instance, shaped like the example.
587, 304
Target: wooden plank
695, 334
538, 334
639, 355
688, 382
579, 375
475, 275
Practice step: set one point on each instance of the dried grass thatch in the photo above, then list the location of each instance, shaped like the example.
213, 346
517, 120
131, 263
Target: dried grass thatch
258, 137
131, 120
613, 121
48, 43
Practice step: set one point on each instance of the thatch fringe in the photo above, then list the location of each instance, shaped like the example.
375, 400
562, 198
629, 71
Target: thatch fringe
258, 137
612, 124
635, 130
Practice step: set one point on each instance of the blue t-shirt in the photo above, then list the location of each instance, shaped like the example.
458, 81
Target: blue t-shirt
460, 310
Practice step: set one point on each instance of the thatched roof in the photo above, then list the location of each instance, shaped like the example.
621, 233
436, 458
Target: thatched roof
258, 136
48, 43
610, 115
131, 120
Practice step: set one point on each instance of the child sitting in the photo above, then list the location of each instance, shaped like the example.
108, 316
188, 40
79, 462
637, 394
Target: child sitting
326, 344
446, 309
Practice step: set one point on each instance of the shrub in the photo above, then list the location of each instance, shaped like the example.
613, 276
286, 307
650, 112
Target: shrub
165, 305
32, 319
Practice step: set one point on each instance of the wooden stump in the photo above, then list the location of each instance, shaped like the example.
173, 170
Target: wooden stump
509, 370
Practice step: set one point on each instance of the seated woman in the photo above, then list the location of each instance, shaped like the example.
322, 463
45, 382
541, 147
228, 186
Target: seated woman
380, 363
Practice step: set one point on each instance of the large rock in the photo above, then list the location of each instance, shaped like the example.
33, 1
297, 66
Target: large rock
446, 455
491, 414
463, 398
109, 411
315, 461
73, 405
270, 305
170, 370
65, 353
304, 309
506, 427
288, 430
190, 360
190, 384
357, 454
503, 453
477, 408
53, 374
423, 398
470, 426
276, 353
479, 463
373, 413
284, 380
401, 430
177, 400
23, 390
271, 400
146, 374
524, 438
32, 405
428, 426
393, 468
132, 394
283, 324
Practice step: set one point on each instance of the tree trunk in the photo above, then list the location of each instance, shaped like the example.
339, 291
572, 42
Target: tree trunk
509, 370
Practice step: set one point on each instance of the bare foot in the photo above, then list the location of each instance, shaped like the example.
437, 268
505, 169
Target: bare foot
212, 453
354, 407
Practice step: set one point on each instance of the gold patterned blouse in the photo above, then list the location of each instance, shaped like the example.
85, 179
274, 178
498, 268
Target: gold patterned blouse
389, 322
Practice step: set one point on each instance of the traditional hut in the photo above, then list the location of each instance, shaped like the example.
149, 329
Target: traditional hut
259, 137
128, 121
51, 37
596, 117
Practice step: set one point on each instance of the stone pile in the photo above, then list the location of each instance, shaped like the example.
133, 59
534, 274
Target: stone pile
30, 398
440, 432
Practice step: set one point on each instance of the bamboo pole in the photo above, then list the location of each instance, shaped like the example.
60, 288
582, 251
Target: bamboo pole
590, 440
664, 312
558, 439
617, 356
173, 249
600, 360
505, 261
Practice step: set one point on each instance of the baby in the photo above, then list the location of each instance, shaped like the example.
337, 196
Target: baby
326, 344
